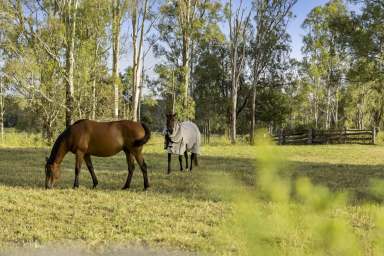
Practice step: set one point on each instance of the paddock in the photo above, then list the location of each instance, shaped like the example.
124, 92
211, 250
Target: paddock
183, 212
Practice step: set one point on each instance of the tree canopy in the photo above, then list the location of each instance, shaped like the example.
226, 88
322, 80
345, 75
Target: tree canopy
226, 62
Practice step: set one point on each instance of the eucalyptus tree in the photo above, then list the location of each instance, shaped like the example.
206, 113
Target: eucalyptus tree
119, 8
238, 21
93, 47
186, 13
366, 40
40, 45
68, 9
2, 86
211, 76
181, 25
2, 107
143, 20
327, 56
33, 65
269, 41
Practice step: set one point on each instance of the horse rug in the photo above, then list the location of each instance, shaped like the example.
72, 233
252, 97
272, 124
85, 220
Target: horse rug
185, 136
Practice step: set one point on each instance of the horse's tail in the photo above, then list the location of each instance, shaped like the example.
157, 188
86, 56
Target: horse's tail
146, 137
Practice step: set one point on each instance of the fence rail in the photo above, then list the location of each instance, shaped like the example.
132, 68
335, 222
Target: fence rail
315, 136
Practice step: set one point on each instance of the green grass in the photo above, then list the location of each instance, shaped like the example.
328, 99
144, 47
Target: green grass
13, 138
209, 211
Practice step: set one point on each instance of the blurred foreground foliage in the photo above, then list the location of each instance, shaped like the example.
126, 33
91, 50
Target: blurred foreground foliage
292, 216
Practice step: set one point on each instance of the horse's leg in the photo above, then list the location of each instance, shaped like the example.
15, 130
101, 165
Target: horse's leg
88, 162
140, 160
186, 159
79, 161
169, 163
181, 162
193, 155
131, 168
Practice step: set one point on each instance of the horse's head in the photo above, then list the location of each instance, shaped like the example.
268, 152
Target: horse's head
52, 173
171, 120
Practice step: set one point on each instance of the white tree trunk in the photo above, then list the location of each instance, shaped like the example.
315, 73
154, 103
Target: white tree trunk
237, 34
186, 68
93, 117
186, 24
136, 92
116, 23
327, 111
141, 88
253, 118
137, 55
94, 99
2, 109
234, 96
316, 113
337, 108
70, 59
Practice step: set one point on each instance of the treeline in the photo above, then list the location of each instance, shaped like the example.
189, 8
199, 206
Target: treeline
340, 82
224, 61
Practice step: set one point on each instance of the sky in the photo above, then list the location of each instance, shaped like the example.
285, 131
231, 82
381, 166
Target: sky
300, 10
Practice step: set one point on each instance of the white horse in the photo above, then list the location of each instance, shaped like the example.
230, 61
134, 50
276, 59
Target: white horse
181, 138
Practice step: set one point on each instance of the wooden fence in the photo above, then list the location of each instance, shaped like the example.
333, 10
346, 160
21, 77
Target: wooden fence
315, 136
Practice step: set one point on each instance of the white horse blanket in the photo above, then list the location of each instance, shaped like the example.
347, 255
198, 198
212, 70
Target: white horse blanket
185, 136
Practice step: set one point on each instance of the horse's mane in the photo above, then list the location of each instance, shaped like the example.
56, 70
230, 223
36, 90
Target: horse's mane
59, 140
57, 144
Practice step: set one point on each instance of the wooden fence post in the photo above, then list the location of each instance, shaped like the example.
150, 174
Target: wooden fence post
341, 136
205, 133
280, 136
345, 135
310, 136
374, 135
209, 131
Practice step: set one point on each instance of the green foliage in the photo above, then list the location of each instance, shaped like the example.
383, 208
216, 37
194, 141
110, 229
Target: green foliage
33, 49
326, 59
15, 139
341, 78
185, 113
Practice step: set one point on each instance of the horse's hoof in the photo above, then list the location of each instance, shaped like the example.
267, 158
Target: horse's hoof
124, 188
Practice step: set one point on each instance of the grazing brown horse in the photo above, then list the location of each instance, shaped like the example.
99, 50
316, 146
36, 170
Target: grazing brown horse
85, 138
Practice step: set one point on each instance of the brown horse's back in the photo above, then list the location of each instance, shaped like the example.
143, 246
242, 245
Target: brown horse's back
105, 138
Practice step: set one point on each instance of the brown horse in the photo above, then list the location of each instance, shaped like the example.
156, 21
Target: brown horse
85, 138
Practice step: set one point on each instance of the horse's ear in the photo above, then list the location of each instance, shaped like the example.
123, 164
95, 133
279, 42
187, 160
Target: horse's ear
46, 159
174, 115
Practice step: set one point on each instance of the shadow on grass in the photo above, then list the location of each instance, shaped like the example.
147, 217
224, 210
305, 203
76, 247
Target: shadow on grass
25, 168
354, 179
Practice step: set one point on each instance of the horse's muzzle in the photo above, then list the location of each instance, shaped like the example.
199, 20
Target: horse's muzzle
48, 183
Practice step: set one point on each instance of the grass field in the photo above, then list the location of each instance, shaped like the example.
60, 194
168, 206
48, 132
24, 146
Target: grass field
203, 211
